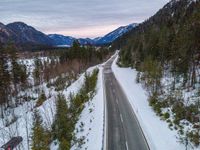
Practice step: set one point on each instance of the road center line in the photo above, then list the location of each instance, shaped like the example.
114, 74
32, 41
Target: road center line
121, 118
126, 145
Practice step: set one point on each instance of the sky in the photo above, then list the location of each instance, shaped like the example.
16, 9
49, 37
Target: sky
78, 18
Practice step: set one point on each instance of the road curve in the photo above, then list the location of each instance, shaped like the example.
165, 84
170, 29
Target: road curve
122, 129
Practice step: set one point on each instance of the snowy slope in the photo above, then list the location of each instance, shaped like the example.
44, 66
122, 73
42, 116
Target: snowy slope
110, 37
92, 118
18, 121
158, 135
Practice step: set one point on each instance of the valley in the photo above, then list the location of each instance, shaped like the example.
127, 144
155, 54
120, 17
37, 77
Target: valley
136, 87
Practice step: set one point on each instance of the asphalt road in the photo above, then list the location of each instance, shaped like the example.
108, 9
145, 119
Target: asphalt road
122, 129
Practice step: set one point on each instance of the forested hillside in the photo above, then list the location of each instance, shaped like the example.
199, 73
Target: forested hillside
165, 50
172, 34
33, 93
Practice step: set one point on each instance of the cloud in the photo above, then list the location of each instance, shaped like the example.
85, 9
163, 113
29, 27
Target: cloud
83, 18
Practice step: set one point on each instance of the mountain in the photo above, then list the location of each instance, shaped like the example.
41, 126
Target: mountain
110, 37
20, 33
5, 33
23, 34
86, 41
61, 39
107, 39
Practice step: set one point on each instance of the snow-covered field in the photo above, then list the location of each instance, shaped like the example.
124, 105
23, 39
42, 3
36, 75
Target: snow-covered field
157, 132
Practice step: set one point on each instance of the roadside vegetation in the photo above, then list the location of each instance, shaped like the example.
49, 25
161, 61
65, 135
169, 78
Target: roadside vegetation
67, 114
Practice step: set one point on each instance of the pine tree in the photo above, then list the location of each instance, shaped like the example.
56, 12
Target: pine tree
62, 127
4, 77
36, 72
42, 98
64, 144
40, 138
152, 73
19, 75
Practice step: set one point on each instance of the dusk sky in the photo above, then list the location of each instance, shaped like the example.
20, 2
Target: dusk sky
78, 18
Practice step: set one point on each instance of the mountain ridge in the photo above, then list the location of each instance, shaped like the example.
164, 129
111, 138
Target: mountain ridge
107, 39
110, 37
22, 34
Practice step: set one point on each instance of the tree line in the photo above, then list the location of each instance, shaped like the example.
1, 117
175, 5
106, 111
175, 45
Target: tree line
13, 76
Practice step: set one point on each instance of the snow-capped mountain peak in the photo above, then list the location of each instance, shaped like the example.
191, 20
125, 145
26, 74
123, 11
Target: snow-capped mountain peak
110, 37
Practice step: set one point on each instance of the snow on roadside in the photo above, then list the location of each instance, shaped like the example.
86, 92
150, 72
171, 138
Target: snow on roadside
92, 120
156, 131
86, 116
74, 88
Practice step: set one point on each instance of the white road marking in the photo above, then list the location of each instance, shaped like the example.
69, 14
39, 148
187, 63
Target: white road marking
117, 102
121, 118
126, 145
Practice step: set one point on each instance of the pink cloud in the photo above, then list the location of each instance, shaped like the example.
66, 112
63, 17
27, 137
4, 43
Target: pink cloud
91, 32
